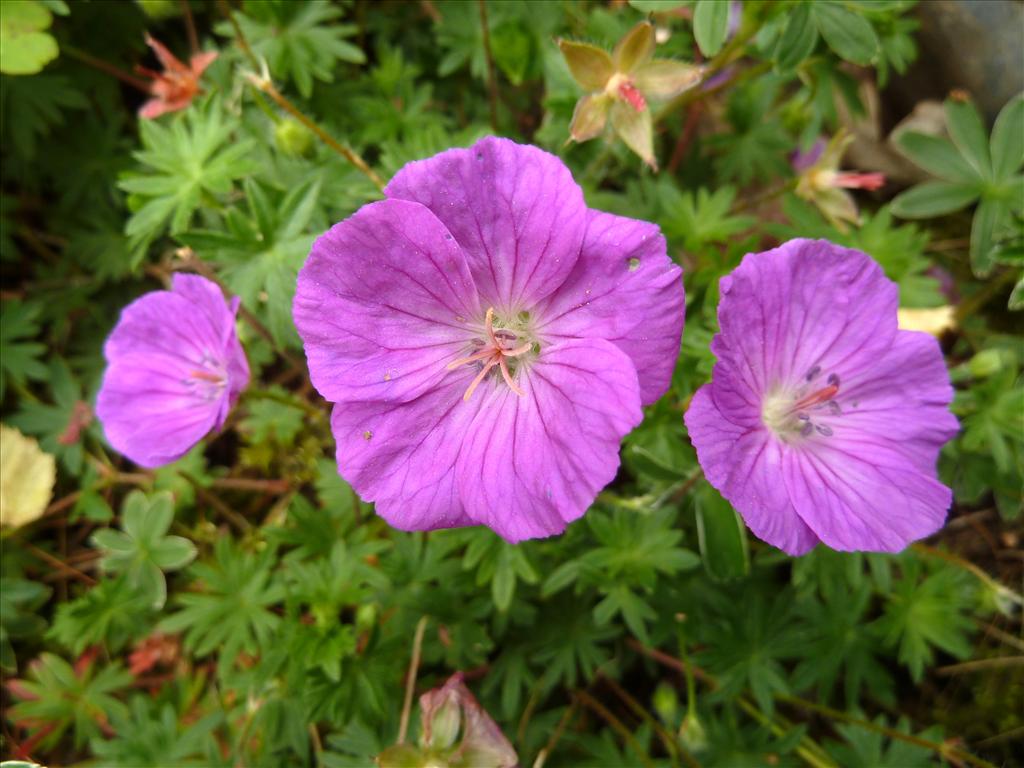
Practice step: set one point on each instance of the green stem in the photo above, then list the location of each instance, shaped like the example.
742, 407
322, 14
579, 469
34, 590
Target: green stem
947, 751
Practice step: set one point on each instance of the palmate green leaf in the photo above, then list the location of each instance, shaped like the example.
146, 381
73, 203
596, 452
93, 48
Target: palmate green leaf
49, 422
33, 107
841, 646
143, 552
19, 599
112, 614
870, 749
746, 648
260, 253
700, 218
63, 698
926, 612
151, 734
298, 40
19, 353
230, 611
185, 160
497, 563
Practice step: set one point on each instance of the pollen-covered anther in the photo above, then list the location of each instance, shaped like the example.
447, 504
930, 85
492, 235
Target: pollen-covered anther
495, 353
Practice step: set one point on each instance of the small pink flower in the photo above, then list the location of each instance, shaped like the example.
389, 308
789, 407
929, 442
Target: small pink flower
177, 85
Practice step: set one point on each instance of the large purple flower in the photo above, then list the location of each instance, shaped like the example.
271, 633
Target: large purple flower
174, 369
487, 340
823, 422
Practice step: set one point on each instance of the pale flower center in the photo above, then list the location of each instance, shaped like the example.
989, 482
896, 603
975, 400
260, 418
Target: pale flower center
209, 379
497, 347
803, 411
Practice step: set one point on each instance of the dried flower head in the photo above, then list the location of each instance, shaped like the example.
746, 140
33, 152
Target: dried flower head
621, 84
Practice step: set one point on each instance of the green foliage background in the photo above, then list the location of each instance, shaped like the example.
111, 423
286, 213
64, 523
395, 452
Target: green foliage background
276, 612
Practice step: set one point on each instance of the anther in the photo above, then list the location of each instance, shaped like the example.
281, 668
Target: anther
813, 372
823, 429
833, 380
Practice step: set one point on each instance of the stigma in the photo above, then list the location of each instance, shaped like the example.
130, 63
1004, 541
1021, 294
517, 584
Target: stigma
498, 346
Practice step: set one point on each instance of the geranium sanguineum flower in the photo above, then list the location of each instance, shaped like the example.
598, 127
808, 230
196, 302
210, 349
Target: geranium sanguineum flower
177, 85
174, 369
487, 340
823, 421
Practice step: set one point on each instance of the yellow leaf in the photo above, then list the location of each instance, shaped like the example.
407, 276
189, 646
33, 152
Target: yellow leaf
27, 475
934, 321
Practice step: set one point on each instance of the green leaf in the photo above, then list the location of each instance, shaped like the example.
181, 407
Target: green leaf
25, 47
927, 614
1007, 145
849, 34
19, 352
993, 214
797, 40
298, 40
710, 25
937, 156
659, 6
143, 552
969, 135
722, 535
934, 198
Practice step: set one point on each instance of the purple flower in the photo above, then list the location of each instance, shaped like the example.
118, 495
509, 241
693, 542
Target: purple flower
174, 369
487, 341
823, 421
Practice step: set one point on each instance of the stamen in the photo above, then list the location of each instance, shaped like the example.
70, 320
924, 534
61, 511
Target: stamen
813, 372
823, 395
824, 429
471, 359
480, 377
207, 376
508, 377
495, 354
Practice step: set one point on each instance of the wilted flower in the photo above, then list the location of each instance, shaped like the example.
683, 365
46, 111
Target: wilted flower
27, 475
823, 421
177, 85
455, 732
488, 340
822, 183
174, 369
621, 84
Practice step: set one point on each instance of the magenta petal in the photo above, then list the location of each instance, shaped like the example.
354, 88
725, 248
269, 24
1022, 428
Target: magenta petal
531, 464
625, 289
382, 304
806, 303
902, 400
877, 501
514, 209
175, 368
402, 455
745, 465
